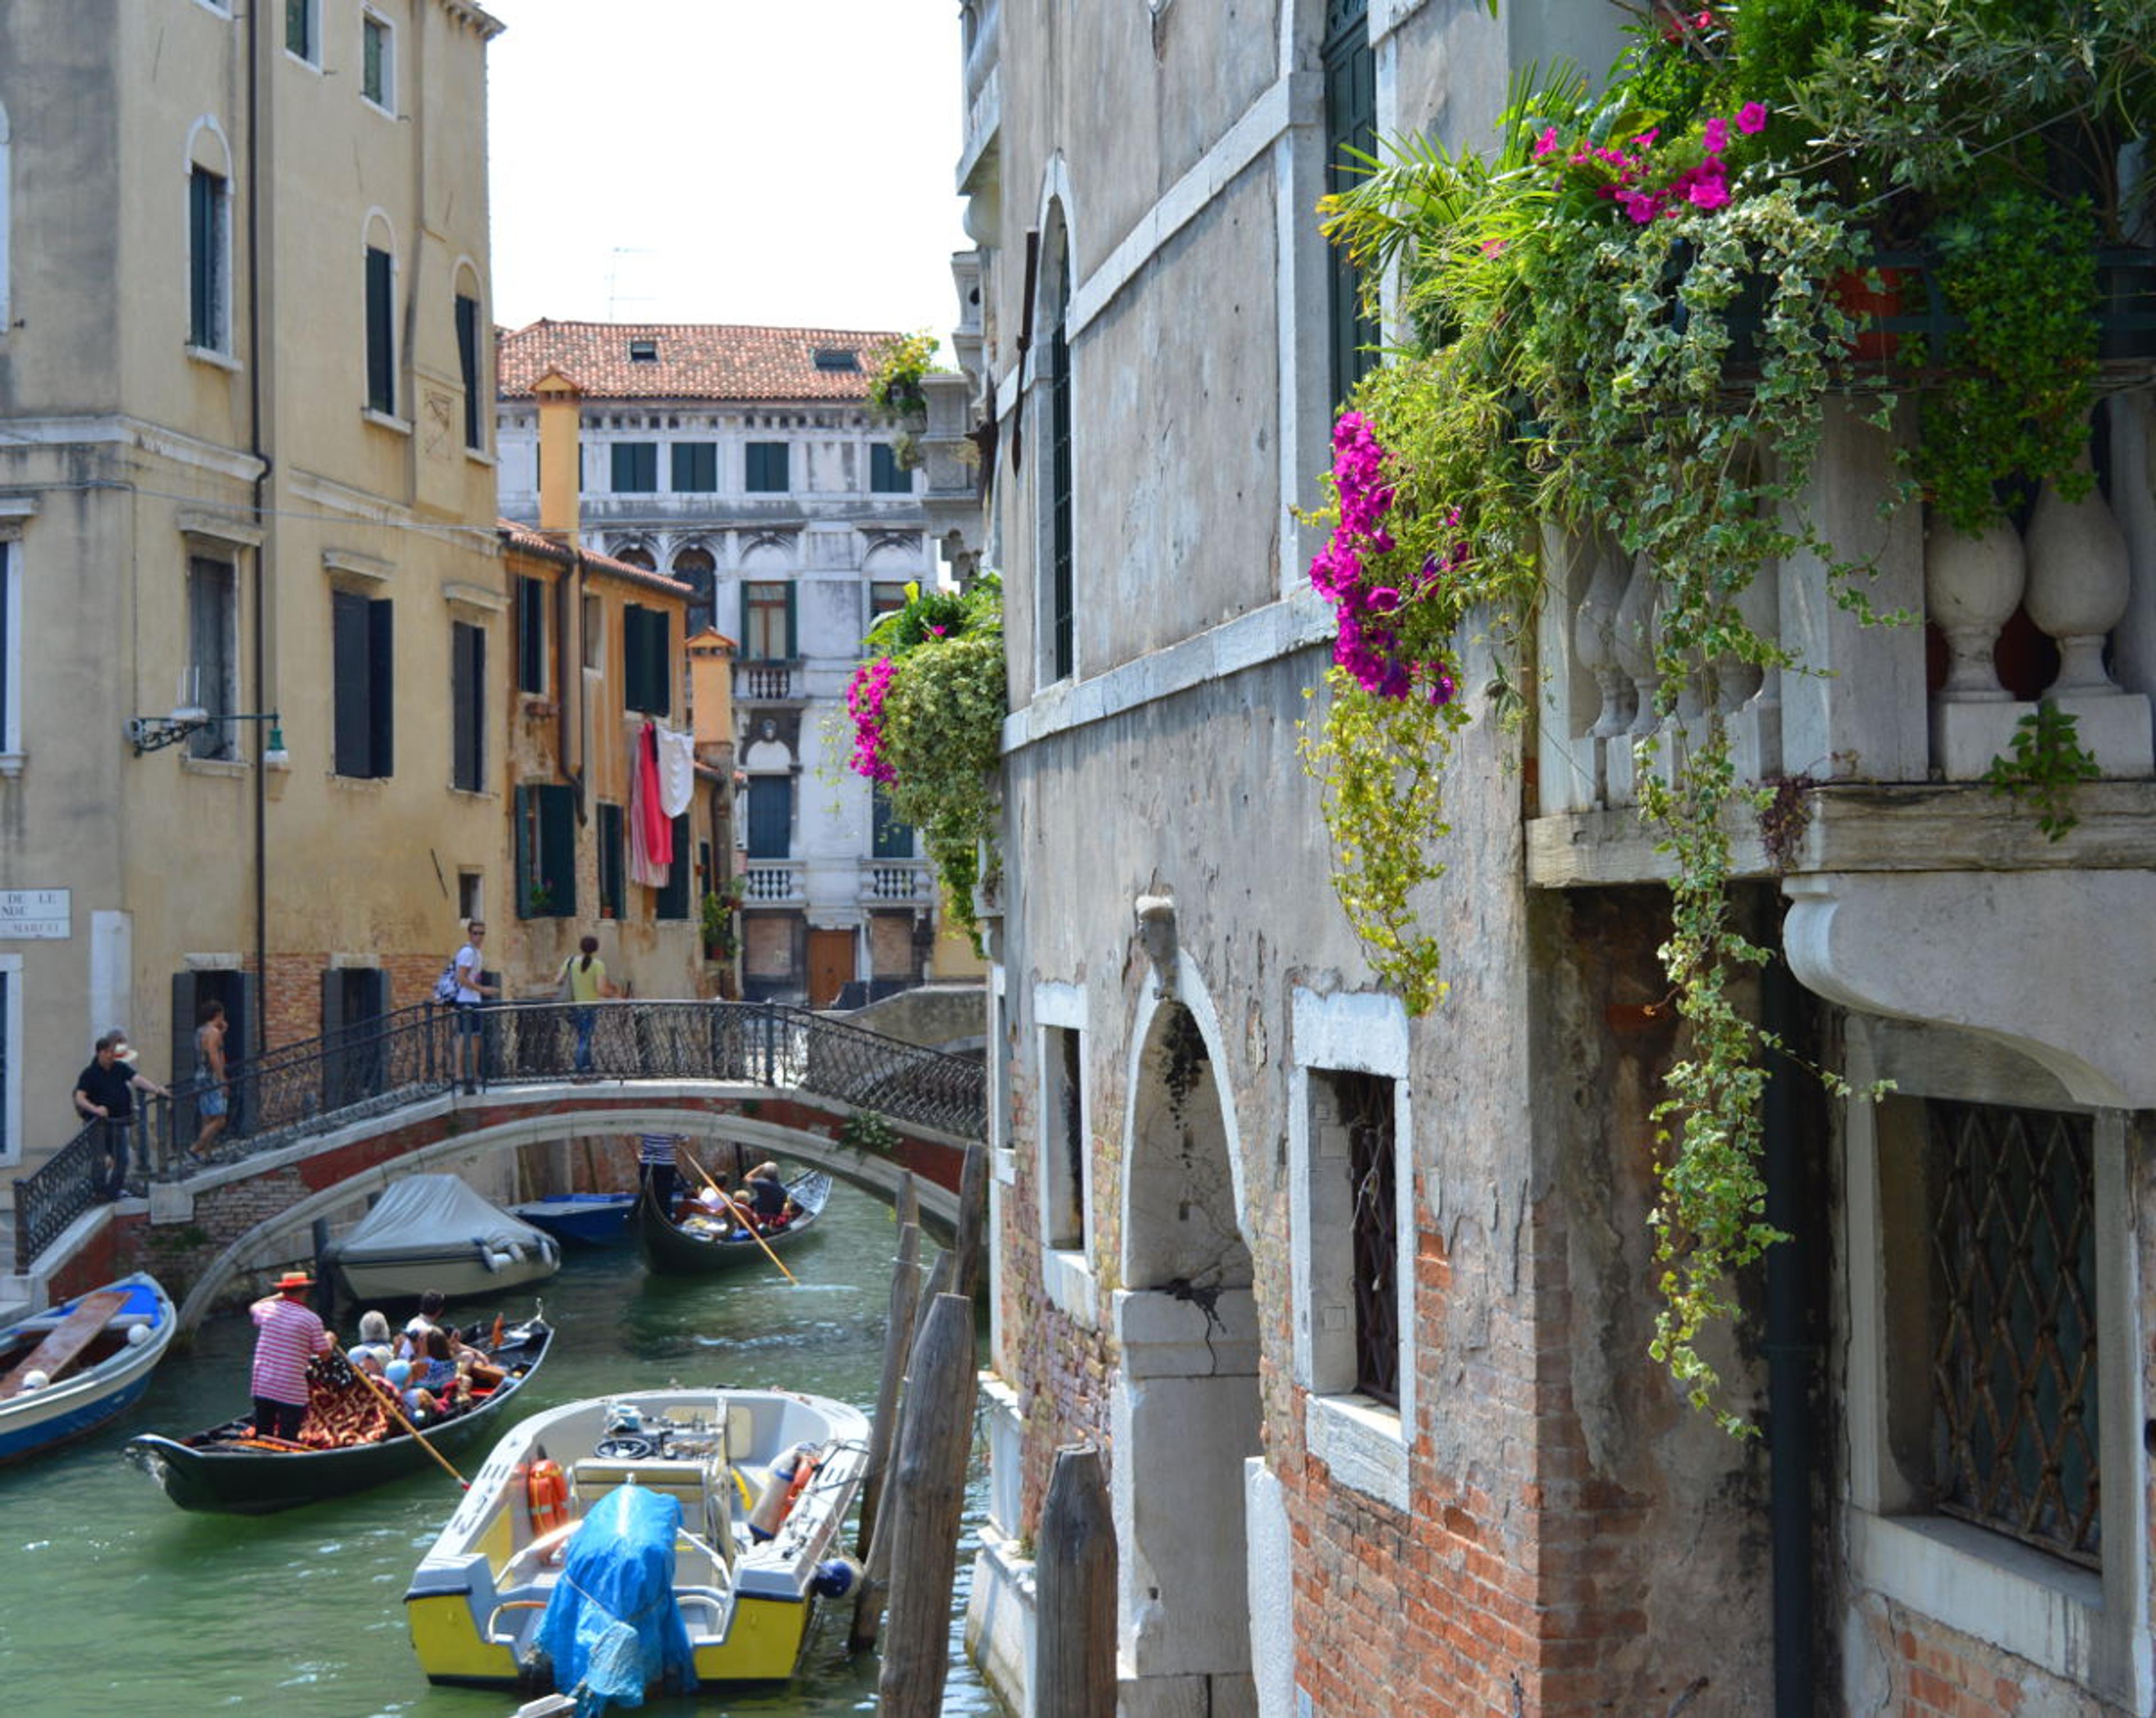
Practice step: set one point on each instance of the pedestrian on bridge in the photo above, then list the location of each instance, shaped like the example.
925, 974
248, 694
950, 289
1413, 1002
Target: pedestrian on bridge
471, 992
104, 1092
584, 975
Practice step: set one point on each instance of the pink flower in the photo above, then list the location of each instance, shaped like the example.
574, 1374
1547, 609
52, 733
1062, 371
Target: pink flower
1708, 191
1645, 139
1639, 205
1717, 136
1752, 117
1547, 144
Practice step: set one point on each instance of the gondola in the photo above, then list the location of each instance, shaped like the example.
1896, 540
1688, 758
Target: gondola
66, 1371
697, 1246
228, 1470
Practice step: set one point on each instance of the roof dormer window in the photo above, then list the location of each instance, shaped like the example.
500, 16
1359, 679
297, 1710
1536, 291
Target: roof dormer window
837, 360
643, 352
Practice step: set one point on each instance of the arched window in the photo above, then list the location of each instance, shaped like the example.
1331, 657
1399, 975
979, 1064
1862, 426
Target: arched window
210, 238
380, 286
636, 554
695, 568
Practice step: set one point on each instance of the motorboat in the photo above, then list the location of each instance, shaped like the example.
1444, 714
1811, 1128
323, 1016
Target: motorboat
351, 1439
696, 1240
737, 1498
582, 1219
65, 1372
433, 1232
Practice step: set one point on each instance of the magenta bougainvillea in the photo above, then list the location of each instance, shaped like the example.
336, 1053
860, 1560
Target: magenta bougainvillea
1648, 185
865, 694
1370, 609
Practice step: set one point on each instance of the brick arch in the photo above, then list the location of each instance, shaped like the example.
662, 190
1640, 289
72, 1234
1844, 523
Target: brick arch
311, 1182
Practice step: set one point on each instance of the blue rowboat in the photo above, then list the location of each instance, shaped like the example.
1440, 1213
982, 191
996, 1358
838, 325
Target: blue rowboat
66, 1371
588, 1219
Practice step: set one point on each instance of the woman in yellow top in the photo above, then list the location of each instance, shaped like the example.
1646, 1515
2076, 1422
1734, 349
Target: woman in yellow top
586, 976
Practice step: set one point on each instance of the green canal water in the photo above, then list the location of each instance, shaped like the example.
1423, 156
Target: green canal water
115, 1604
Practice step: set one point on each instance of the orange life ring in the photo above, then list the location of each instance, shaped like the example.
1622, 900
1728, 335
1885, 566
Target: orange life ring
804, 1471
546, 1495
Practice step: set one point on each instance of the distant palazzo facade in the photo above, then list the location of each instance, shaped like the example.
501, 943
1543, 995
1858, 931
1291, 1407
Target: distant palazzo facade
743, 464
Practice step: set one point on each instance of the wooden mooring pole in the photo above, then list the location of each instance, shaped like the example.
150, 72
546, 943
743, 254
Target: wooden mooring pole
1074, 1658
897, 1343
927, 1491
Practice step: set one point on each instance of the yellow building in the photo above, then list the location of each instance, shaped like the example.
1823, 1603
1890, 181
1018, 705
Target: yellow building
248, 572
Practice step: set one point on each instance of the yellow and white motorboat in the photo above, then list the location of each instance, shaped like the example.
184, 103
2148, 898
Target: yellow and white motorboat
764, 1479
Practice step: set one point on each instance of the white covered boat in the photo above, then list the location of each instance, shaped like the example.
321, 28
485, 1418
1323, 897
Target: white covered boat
433, 1232
744, 1530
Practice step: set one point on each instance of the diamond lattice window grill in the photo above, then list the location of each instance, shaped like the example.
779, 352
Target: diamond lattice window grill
1366, 1101
2014, 1367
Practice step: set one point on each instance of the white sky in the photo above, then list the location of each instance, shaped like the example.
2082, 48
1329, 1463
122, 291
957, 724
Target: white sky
779, 162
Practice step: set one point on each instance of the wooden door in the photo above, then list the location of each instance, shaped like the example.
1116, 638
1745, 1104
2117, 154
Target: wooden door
830, 965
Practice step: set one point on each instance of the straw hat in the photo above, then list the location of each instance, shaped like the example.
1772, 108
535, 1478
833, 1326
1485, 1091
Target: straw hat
293, 1281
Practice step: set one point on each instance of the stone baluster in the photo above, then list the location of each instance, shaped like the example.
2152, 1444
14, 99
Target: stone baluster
1594, 647
1633, 632
1752, 694
2080, 581
1972, 587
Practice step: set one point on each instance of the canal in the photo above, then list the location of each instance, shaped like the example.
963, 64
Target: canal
113, 1602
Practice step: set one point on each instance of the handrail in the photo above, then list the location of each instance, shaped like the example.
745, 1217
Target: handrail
373, 1066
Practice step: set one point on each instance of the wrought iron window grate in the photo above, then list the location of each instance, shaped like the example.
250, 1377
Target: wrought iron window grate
1366, 1109
2014, 1368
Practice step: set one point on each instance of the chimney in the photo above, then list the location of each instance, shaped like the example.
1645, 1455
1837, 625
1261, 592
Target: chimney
561, 405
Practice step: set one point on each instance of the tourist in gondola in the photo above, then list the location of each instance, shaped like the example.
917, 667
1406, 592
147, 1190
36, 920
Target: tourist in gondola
766, 1196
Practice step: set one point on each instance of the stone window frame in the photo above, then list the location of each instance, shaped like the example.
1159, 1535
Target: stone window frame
2083, 1626
15, 512
12, 1016
384, 100
1066, 1273
1364, 1443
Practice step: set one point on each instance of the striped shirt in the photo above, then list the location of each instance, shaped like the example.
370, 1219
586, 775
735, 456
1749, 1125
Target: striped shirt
290, 1333
656, 1147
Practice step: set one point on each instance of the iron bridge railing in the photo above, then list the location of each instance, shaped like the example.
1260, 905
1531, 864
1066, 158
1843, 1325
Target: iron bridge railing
291, 1093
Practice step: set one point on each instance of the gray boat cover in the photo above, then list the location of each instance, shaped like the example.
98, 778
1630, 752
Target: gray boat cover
424, 1214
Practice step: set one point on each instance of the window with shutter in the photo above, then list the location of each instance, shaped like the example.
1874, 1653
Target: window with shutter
468, 333
533, 596
381, 334
214, 653
546, 814
887, 477
208, 311
363, 725
889, 838
766, 468
647, 637
303, 28
695, 467
673, 902
770, 817
467, 707
635, 468
1350, 70
767, 621
377, 61
610, 858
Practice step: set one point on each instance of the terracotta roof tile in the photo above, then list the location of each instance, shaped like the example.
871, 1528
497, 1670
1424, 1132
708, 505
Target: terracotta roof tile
524, 538
689, 361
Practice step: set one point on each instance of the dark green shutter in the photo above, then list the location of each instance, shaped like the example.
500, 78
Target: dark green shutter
610, 859
1351, 123
350, 744
381, 335
298, 38
468, 365
205, 259
558, 848
793, 632
673, 901
521, 821
467, 706
381, 688
532, 594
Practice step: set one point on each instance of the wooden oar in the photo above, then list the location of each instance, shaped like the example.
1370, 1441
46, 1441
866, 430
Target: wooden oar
740, 1216
397, 1410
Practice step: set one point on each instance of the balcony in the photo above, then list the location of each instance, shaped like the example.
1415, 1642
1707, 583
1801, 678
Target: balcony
1914, 887
897, 880
768, 683
773, 882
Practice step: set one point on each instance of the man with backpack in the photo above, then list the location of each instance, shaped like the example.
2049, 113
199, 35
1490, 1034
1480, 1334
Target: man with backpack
467, 992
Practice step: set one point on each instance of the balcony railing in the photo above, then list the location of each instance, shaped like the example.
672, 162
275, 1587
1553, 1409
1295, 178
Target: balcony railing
896, 880
766, 882
765, 682
1874, 703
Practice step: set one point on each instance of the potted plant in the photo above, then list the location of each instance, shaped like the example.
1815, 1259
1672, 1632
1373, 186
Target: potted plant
894, 394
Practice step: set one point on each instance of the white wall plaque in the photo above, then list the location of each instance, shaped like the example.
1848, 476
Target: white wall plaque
27, 913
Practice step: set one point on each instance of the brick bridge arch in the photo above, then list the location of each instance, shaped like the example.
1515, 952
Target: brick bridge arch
202, 1232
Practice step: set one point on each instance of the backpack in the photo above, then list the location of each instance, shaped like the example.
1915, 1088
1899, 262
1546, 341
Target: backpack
445, 986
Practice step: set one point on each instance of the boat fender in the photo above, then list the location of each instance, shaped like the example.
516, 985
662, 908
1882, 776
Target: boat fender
138, 1335
547, 1493
499, 1261
834, 1577
789, 1474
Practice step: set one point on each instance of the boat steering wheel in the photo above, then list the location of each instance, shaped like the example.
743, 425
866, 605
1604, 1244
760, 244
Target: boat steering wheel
624, 1449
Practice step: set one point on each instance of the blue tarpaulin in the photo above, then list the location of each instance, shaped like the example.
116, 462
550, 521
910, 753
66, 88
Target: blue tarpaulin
612, 1626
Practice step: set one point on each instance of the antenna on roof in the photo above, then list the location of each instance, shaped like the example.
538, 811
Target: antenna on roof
615, 300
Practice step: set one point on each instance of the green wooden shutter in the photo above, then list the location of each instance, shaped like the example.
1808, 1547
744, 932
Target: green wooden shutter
468, 366
381, 335
467, 706
558, 848
350, 748
673, 901
381, 689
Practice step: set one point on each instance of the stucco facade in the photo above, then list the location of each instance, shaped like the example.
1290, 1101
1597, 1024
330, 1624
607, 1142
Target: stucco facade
1413, 1456
246, 467
742, 462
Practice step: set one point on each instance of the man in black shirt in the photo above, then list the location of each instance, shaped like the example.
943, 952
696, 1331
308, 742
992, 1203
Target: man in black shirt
104, 1092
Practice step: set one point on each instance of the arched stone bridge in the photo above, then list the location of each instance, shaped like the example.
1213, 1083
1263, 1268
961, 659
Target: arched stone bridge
321, 1125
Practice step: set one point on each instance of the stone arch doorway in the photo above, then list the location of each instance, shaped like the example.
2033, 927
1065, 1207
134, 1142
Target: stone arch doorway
1185, 1402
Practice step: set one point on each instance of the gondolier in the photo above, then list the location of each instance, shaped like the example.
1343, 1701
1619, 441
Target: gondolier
655, 1158
288, 1336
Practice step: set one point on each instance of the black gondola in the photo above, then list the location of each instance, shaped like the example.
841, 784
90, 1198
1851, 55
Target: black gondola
674, 1250
229, 1471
